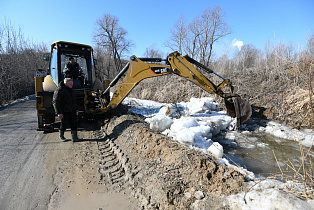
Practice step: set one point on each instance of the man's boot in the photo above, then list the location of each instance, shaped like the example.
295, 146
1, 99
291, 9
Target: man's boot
61, 135
74, 136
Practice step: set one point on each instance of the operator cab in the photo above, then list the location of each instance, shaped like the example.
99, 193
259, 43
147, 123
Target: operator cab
61, 52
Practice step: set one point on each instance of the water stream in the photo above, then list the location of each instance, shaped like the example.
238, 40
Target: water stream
263, 153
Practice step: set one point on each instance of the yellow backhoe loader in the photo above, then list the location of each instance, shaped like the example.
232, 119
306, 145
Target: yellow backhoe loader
93, 96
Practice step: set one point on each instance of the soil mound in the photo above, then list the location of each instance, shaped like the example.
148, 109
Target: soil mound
164, 173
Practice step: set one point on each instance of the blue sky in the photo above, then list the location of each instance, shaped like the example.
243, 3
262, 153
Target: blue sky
148, 23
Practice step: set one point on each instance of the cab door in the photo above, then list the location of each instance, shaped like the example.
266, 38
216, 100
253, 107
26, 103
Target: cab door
54, 67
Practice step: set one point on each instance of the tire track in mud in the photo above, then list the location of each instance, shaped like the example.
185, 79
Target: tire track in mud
115, 168
88, 174
112, 164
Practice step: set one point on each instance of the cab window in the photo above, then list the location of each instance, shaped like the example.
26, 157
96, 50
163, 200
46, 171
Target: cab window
54, 66
84, 77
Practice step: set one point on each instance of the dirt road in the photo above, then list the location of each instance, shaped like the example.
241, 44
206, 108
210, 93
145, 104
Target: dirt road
40, 172
22, 160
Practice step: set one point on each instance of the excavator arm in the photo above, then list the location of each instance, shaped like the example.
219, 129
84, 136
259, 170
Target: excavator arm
138, 69
184, 68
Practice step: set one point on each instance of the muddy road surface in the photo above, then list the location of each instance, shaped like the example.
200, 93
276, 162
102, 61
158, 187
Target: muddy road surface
21, 159
120, 164
37, 171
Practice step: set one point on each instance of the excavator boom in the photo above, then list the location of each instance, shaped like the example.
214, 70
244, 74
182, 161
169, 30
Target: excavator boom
141, 68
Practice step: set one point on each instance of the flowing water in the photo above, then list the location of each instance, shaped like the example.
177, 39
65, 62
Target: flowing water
265, 154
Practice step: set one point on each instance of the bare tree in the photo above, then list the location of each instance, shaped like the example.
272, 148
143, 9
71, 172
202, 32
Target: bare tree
153, 52
178, 36
310, 46
112, 38
198, 38
19, 59
213, 28
104, 62
247, 56
192, 41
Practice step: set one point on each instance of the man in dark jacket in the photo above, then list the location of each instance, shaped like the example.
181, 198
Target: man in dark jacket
73, 69
65, 106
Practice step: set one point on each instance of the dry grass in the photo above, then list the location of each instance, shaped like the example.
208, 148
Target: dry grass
300, 180
167, 89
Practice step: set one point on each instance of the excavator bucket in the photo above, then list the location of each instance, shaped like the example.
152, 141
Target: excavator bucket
239, 108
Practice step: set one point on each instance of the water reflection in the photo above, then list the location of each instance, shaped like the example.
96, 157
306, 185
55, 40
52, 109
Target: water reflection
263, 153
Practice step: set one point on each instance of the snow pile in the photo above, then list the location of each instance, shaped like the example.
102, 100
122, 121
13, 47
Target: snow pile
201, 105
305, 136
200, 121
159, 122
268, 194
216, 150
26, 98
143, 107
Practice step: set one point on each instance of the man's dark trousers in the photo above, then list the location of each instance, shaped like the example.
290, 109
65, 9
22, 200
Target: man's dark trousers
69, 118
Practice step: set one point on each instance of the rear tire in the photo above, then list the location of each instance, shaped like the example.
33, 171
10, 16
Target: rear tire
45, 122
40, 122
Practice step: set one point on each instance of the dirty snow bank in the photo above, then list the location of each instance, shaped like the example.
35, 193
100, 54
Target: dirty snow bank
305, 136
266, 196
26, 98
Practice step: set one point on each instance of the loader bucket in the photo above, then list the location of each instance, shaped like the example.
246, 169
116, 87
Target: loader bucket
239, 108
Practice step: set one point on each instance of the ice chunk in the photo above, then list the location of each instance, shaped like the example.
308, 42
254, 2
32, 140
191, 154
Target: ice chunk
197, 105
308, 140
197, 130
306, 137
183, 122
164, 110
216, 150
166, 132
231, 136
219, 123
202, 130
180, 130
185, 135
159, 122
201, 142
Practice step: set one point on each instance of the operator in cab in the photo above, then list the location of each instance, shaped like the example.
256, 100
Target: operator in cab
73, 69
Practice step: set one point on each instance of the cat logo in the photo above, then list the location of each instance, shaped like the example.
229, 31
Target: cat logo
160, 70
